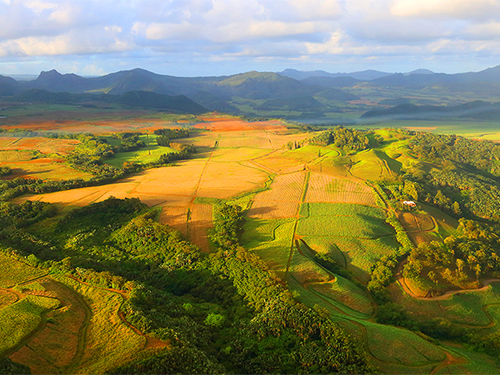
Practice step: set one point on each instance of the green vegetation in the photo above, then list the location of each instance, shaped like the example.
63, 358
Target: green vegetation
346, 138
270, 240
16, 271
224, 312
338, 220
22, 318
297, 294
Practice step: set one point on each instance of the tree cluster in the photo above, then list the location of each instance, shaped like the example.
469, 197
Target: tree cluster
347, 138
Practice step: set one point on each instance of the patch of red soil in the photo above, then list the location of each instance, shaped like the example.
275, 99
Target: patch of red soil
232, 124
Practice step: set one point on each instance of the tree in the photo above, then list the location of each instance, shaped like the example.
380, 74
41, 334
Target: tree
477, 270
432, 276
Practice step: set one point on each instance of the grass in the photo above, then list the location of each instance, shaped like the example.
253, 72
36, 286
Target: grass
340, 209
109, 342
336, 309
331, 189
467, 128
309, 153
358, 226
475, 363
271, 240
467, 308
359, 254
15, 271
400, 346
21, 318
150, 153
375, 165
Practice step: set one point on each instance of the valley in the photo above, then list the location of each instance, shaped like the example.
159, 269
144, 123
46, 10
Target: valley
322, 209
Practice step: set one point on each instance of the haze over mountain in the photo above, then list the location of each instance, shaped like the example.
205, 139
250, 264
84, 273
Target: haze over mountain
311, 92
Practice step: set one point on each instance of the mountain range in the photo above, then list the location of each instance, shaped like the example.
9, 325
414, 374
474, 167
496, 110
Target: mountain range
314, 92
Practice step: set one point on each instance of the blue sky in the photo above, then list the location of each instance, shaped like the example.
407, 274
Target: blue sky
222, 37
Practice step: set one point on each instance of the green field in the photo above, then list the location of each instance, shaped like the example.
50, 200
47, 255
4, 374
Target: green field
469, 363
271, 240
149, 154
339, 209
338, 220
14, 271
400, 346
468, 128
375, 165
109, 342
357, 254
21, 318
309, 153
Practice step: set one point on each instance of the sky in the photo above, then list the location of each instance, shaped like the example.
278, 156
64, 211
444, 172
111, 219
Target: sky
223, 37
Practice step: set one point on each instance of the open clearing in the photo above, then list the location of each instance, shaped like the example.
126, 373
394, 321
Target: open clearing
108, 340
358, 255
38, 157
271, 240
163, 185
199, 224
282, 200
332, 189
14, 271
375, 165
43, 145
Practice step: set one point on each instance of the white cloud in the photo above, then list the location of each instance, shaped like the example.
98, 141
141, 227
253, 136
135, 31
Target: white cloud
459, 9
38, 6
89, 41
256, 30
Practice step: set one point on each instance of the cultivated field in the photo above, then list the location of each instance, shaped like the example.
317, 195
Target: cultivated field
40, 144
21, 319
282, 200
375, 165
109, 342
332, 189
400, 346
316, 279
162, 186
15, 271
338, 220
253, 138
56, 347
279, 165
200, 222
176, 217
234, 124
38, 157
271, 240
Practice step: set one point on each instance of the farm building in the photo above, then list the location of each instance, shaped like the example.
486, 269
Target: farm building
409, 203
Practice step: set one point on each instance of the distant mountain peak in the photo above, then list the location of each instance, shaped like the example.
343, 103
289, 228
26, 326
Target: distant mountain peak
420, 71
50, 73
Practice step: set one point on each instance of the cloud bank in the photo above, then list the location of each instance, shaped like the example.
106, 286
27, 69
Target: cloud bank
187, 37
